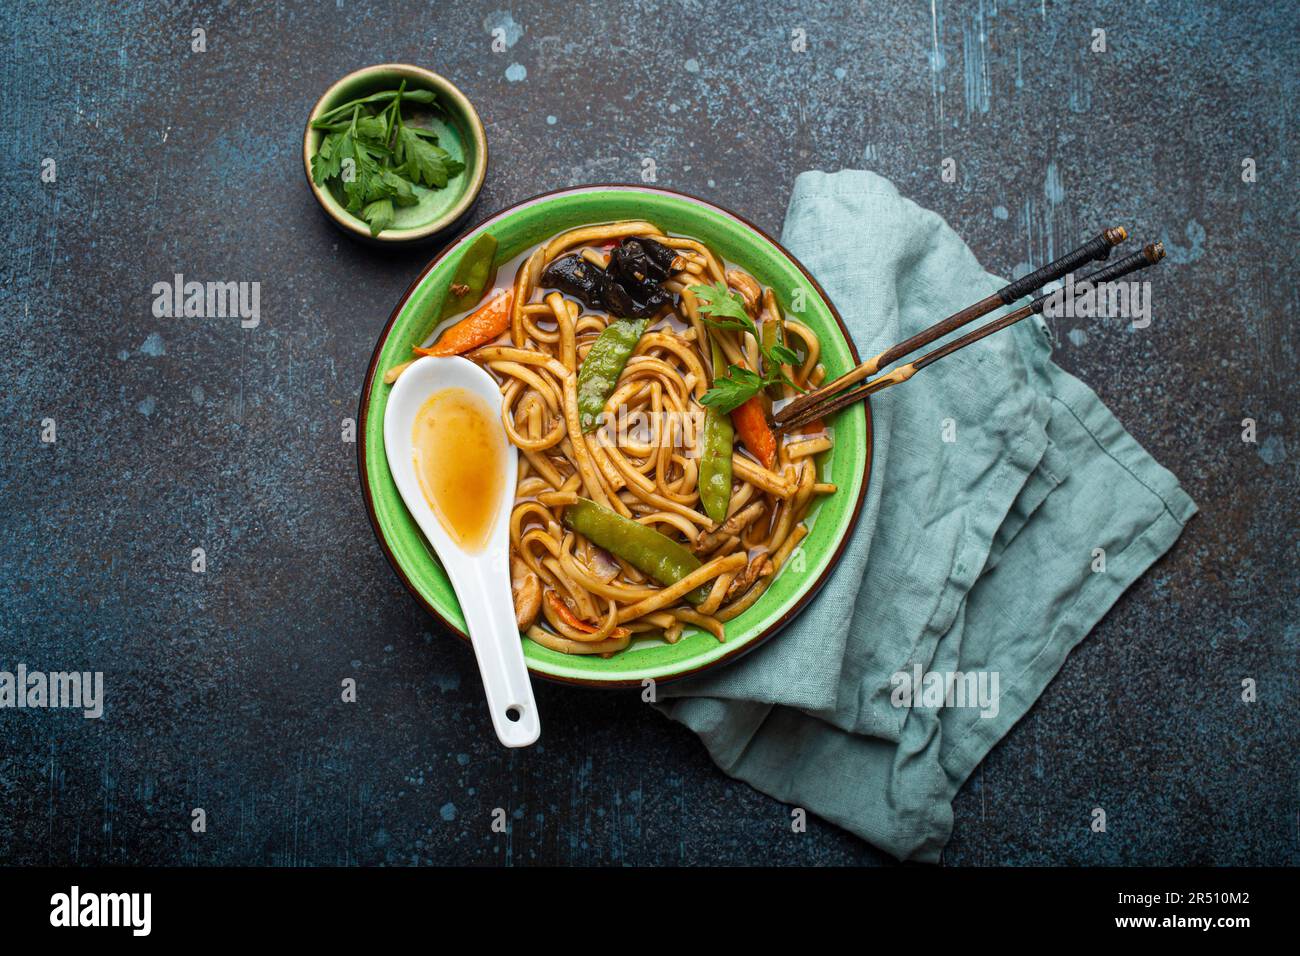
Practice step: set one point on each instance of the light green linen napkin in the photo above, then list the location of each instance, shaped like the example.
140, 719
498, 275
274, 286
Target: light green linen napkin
996, 477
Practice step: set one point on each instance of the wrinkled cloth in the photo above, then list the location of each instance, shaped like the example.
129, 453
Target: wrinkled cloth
996, 476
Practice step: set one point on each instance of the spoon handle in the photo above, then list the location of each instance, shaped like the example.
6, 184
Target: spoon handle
485, 600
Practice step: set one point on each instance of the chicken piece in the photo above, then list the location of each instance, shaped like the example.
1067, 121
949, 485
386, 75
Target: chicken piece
745, 580
527, 592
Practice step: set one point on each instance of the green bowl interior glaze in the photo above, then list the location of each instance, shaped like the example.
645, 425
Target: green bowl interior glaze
845, 465
455, 134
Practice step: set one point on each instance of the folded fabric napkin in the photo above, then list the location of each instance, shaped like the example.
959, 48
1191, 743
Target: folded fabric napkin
996, 475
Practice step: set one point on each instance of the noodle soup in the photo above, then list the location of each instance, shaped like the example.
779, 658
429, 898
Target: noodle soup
638, 373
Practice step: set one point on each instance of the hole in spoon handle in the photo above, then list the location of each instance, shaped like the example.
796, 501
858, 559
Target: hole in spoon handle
490, 618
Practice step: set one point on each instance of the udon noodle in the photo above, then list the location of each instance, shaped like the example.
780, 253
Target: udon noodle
571, 595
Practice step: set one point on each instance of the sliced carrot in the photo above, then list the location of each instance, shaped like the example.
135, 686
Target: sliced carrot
751, 425
480, 327
575, 622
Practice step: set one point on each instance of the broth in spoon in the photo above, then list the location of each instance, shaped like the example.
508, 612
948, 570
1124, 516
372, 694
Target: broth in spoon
459, 463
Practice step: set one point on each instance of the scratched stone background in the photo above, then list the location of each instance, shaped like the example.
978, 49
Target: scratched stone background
223, 687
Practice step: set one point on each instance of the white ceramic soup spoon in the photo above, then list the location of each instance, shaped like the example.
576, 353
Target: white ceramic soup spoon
481, 578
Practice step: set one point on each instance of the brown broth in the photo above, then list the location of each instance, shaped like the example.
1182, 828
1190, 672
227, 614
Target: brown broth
459, 461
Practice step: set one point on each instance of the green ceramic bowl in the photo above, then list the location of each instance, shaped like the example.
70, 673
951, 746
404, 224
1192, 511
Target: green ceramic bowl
460, 132
848, 464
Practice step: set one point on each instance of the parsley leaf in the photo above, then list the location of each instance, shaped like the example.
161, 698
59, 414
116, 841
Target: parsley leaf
422, 161
783, 354
379, 214
732, 390
366, 182
723, 309
371, 128
403, 192
325, 164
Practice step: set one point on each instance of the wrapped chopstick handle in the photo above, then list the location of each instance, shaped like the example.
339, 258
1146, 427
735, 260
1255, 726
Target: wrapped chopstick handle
1147, 256
1098, 248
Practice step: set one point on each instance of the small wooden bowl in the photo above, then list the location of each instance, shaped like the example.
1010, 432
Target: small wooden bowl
460, 132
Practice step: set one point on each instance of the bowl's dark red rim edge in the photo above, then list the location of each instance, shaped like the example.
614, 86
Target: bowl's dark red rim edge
778, 625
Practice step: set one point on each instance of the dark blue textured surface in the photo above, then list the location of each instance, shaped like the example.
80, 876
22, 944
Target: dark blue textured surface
223, 688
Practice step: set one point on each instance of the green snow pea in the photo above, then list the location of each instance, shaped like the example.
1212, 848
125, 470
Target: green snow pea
474, 274
641, 546
603, 365
716, 440
772, 334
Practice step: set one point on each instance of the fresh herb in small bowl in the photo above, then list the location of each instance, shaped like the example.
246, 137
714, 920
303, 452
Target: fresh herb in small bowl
377, 157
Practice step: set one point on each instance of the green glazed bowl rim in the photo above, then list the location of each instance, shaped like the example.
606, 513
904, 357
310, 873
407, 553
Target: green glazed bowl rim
455, 100
738, 645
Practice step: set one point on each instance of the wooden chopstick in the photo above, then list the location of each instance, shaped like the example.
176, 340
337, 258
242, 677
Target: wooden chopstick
1148, 256
1097, 248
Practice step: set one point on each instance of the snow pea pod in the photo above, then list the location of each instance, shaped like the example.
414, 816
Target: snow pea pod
474, 274
641, 546
603, 365
716, 441
773, 334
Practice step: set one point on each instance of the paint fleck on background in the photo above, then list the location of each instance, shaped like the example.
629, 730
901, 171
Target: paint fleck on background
224, 688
